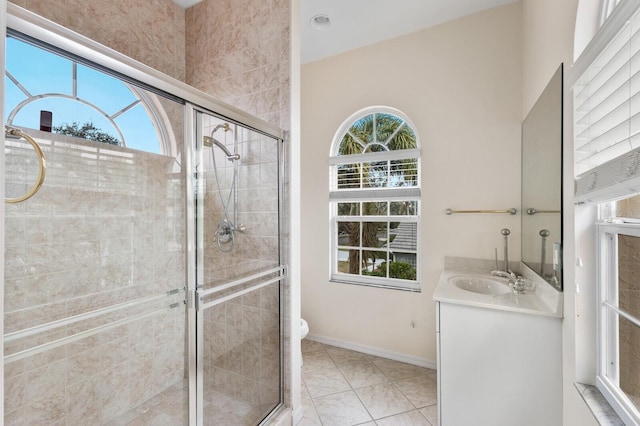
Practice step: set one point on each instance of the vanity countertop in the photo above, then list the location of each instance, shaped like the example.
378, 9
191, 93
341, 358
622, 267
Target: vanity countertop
539, 299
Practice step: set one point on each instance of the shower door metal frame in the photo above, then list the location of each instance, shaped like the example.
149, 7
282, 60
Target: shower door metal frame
191, 181
195, 245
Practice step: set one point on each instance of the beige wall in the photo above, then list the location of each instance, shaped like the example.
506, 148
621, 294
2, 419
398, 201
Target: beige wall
547, 41
548, 32
460, 84
150, 31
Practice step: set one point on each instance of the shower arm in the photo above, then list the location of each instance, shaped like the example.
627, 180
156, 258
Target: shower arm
210, 141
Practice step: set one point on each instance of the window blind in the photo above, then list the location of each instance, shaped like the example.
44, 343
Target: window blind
379, 175
606, 99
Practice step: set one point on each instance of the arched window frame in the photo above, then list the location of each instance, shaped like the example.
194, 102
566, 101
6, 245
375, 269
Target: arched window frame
157, 116
391, 198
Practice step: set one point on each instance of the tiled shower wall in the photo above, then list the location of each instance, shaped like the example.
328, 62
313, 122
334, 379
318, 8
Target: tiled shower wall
256, 249
106, 227
235, 50
150, 31
238, 51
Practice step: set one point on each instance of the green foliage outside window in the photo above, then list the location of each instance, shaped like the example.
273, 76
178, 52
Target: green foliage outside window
86, 131
400, 270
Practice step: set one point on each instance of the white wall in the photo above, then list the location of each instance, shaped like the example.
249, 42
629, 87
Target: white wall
460, 83
548, 32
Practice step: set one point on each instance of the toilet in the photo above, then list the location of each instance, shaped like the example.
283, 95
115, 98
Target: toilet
304, 330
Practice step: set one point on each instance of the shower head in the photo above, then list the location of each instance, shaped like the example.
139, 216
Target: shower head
223, 126
210, 141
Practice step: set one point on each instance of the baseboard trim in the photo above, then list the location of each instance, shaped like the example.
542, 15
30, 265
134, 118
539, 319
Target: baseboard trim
371, 350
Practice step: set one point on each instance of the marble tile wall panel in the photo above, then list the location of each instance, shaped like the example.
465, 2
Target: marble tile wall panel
106, 227
238, 51
256, 249
150, 31
241, 352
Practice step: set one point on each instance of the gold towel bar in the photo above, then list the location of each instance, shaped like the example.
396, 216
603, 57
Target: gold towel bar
12, 131
510, 211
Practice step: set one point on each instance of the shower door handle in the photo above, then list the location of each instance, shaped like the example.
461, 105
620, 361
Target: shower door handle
12, 132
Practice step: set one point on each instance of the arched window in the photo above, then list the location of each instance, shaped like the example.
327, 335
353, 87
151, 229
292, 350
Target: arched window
81, 101
375, 200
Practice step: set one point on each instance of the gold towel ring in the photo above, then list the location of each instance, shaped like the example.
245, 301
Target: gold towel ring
43, 164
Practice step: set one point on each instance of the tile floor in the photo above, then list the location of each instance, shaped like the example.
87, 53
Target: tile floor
171, 408
343, 388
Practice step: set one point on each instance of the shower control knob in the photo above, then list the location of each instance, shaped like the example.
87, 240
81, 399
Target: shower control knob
505, 231
224, 232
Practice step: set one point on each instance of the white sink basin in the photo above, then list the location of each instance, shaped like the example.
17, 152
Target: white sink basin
481, 285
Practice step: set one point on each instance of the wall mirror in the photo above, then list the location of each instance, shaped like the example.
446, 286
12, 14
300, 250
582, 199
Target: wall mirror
542, 184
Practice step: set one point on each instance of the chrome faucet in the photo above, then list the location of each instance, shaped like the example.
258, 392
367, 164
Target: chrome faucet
504, 274
515, 281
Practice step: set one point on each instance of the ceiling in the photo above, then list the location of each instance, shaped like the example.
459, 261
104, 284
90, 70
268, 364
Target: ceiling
358, 23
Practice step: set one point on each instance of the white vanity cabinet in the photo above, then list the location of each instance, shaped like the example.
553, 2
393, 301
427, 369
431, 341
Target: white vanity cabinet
498, 367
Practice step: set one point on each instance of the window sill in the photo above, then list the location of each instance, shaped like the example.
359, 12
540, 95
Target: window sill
416, 289
600, 408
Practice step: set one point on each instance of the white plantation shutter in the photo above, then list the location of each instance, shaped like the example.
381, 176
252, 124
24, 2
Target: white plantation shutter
606, 102
348, 182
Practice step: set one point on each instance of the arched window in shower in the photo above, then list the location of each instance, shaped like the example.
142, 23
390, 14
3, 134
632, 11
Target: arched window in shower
78, 100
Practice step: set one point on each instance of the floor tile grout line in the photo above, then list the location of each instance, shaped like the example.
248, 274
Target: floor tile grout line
336, 359
406, 397
373, 419
315, 409
354, 392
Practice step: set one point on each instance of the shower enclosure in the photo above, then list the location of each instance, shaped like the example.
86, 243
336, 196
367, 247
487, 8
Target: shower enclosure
144, 279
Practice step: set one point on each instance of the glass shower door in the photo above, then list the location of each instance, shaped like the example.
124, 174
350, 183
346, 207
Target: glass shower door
94, 285
239, 272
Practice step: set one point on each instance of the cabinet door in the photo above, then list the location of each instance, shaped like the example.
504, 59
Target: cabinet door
498, 368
